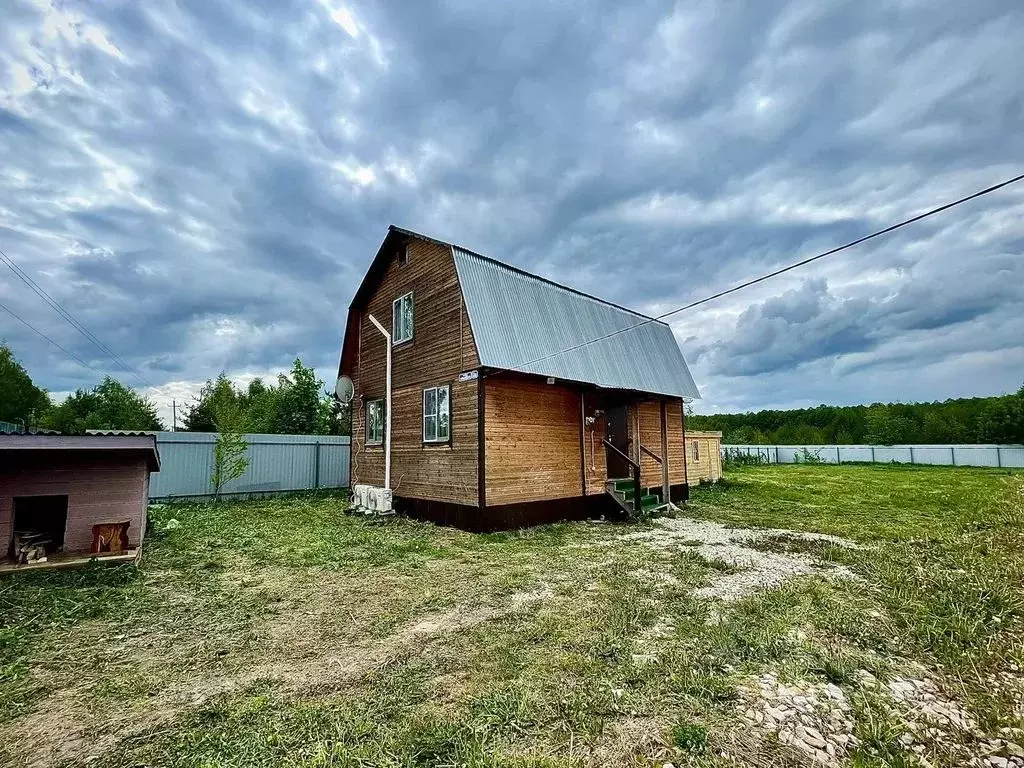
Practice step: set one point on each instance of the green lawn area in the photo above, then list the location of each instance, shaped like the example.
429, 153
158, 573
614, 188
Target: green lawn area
284, 632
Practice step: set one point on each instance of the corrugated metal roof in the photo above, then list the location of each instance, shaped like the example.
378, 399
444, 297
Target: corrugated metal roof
519, 319
142, 443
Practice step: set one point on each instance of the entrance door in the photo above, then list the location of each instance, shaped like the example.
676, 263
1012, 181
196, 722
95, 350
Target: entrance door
617, 432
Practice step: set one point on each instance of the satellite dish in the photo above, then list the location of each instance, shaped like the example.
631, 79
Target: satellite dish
344, 390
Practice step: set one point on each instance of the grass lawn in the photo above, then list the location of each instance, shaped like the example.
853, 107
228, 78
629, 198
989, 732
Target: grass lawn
878, 615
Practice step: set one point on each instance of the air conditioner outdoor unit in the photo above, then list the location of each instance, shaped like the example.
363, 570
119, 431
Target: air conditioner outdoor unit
369, 498
380, 499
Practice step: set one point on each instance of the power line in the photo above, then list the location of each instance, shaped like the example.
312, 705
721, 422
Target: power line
41, 292
66, 351
778, 272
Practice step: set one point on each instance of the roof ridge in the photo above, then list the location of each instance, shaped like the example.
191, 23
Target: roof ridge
506, 265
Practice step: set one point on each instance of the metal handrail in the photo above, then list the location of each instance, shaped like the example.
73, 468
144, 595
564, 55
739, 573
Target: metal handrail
638, 492
651, 453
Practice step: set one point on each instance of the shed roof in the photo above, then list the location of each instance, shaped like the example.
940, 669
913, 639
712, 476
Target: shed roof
144, 444
525, 323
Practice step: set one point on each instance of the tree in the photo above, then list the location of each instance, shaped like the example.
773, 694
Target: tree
262, 404
303, 407
21, 401
1003, 421
229, 452
109, 405
296, 405
218, 396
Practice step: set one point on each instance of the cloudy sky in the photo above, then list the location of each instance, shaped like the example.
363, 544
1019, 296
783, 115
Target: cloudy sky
203, 183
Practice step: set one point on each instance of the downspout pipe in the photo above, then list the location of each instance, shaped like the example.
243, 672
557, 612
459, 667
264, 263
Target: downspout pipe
387, 405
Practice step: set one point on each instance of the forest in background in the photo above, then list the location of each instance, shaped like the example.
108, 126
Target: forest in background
964, 420
296, 403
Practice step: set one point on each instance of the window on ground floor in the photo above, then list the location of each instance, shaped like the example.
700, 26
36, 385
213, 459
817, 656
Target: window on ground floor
696, 450
436, 420
374, 422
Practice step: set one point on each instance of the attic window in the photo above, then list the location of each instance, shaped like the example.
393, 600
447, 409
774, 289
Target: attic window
403, 255
401, 319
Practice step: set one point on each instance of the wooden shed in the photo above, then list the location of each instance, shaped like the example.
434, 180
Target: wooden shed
515, 400
66, 499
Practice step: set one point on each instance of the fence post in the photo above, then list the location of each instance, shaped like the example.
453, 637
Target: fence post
952, 454
999, 456
911, 454
316, 461
838, 460
872, 454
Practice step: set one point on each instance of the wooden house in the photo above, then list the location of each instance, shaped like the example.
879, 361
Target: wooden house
505, 410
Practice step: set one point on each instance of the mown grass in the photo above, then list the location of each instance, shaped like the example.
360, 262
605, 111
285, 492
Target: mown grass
865, 502
576, 655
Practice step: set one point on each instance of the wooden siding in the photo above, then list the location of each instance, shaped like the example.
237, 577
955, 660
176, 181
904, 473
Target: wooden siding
709, 467
650, 436
676, 466
439, 472
100, 489
442, 347
532, 441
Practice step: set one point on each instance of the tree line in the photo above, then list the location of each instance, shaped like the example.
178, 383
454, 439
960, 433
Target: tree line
963, 420
297, 403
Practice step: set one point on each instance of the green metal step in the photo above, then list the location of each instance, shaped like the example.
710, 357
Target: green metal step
650, 500
624, 485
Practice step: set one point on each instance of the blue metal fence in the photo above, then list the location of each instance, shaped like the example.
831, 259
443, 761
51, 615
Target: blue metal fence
277, 464
941, 455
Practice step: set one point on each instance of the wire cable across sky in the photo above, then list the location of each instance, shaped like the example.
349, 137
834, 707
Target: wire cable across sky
777, 272
71, 319
66, 351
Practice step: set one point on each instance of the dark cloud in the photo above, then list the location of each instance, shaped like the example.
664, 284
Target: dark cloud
203, 183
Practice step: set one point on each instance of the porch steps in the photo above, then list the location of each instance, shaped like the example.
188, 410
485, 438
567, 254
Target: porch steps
623, 491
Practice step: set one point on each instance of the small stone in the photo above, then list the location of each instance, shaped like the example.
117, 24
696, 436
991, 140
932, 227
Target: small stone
835, 692
1014, 749
644, 658
810, 736
906, 739
996, 761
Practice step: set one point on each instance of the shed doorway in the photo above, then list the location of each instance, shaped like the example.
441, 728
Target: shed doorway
39, 525
617, 433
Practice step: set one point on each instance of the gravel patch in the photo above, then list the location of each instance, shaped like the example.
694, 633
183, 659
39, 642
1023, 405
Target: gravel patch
813, 718
757, 569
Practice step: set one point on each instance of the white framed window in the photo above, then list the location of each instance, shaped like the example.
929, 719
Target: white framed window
436, 419
401, 319
696, 450
374, 422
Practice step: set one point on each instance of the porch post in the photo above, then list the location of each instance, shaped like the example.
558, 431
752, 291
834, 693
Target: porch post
682, 411
666, 488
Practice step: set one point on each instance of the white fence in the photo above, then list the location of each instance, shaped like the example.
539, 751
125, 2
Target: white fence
277, 463
943, 455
